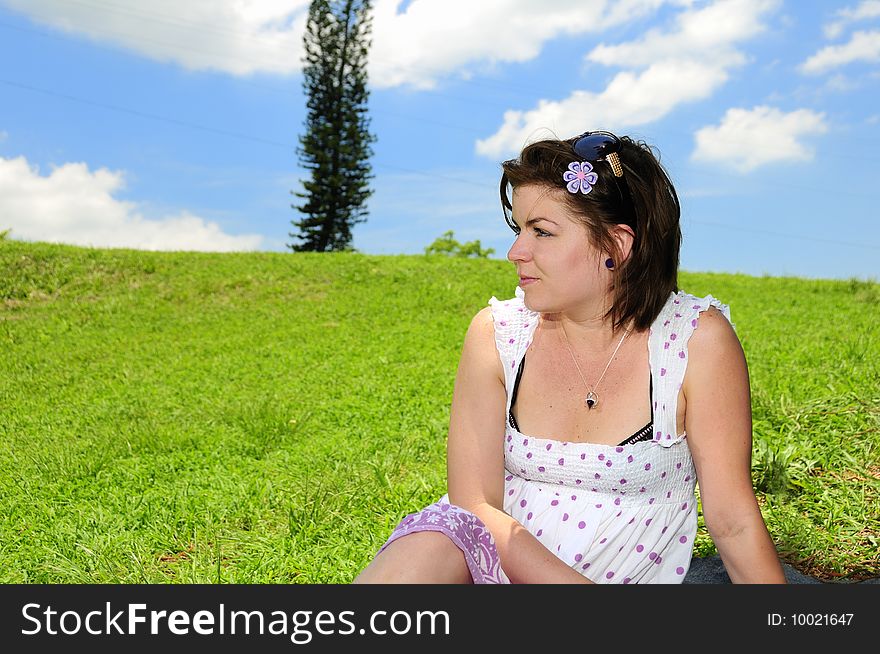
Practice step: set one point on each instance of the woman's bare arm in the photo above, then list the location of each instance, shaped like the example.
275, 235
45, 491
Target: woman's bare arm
719, 432
475, 459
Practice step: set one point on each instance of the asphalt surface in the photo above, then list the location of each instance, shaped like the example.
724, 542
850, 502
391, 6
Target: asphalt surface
710, 570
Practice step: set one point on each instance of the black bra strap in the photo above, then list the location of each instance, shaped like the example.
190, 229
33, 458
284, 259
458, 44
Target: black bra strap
642, 434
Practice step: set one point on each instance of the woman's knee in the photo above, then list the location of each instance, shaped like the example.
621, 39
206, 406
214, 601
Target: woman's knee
420, 557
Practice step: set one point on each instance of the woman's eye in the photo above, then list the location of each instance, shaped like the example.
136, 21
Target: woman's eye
541, 232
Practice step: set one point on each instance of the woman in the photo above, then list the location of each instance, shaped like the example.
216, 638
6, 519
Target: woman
580, 467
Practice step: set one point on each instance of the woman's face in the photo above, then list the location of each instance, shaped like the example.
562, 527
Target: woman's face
559, 268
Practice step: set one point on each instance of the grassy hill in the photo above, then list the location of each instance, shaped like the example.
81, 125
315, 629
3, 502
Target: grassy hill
268, 418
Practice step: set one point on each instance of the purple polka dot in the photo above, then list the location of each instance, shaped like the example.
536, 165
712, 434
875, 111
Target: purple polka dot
678, 466
529, 516
652, 555
601, 457
679, 570
578, 557
598, 506
666, 345
525, 441
510, 492
586, 565
684, 506
541, 468
583, 456
672, 337
681, 355
582, 524
694, 322
662, 372
651, 501
687, 478
578, 482
618, 449
647, 466
540, 531
616, 501
664, 530
528, 455
604, 540
623, 481
640, 548
597, 476
574, 497
561, 462
564, 517
523, 503
648, 522
549, 445
554, 502
629, 459
509, 438
683, 540
658, 559
608, 464
668, 494
626, 580
663, 474
609, 575
642, 489
508, 478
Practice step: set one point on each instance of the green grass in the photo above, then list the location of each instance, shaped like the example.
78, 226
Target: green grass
268, 418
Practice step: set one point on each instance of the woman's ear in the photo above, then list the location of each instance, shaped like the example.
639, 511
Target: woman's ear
623, 237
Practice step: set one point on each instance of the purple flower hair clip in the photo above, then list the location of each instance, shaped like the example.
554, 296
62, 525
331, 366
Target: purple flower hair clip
580, 177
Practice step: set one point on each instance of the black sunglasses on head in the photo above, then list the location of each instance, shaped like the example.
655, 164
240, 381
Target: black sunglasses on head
605, 146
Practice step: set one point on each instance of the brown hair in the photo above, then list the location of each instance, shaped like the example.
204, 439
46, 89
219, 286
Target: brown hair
642, 284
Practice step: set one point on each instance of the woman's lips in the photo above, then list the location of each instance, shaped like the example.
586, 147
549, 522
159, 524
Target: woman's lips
525, 281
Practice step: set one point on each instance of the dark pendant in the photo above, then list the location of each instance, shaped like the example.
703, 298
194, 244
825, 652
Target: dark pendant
592, 399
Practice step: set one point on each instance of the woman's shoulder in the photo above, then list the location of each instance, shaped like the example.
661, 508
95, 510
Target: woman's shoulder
713, 335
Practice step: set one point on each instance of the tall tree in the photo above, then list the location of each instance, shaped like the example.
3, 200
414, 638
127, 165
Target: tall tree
335, 147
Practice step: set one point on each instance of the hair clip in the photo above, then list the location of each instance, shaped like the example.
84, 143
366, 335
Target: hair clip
580, 177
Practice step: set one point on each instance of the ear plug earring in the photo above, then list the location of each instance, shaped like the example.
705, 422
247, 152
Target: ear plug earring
609, 263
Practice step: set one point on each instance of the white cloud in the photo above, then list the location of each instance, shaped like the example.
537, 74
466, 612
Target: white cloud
865, 10
233, 36
666, 69
862, 46
428, 40
75, 205
749, 138
433, 38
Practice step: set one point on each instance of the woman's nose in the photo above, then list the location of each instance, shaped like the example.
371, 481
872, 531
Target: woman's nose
518, 251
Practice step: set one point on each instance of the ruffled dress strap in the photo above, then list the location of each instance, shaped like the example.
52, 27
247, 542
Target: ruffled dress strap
514, 329
668, 347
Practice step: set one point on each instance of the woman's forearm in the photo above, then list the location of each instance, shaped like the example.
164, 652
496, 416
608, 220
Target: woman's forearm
749, 554
523, 558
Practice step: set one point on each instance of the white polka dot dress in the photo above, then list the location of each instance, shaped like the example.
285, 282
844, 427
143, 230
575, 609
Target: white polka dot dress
616, 514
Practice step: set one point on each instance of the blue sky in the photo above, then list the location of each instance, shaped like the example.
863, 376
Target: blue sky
173, 125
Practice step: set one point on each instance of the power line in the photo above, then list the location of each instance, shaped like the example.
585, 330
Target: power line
288, 146
205, 128
740, 228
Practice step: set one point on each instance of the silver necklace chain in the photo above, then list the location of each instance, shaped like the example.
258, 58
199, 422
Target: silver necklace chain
592, 398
